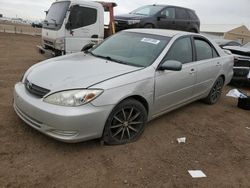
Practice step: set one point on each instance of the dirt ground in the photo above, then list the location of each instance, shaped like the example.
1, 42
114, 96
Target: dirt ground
218, 143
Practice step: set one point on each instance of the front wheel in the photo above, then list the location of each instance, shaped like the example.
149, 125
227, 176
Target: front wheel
215, 92
125, 123
148, 26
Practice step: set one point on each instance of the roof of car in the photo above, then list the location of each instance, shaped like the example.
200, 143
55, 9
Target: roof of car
163, 32
163, 6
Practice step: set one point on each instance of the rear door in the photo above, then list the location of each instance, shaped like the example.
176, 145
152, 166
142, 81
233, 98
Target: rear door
173, 88
208, 65
86, 25
182, 19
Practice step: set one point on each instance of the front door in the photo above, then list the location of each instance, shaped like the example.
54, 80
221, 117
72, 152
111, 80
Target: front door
175, 87
166, 19
85, 25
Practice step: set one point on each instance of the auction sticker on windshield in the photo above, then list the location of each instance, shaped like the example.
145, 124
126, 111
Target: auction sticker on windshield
151, 41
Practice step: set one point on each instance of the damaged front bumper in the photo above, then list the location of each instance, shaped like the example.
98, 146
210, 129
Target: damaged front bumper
242, 69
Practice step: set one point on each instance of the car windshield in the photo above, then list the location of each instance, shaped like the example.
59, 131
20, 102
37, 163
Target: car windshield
247, 45
147, 10
136, 49
56, 14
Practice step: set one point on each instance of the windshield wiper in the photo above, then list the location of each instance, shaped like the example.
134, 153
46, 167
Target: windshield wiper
108, 58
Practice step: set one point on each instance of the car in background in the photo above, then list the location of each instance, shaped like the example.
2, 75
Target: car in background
241, 63
111, 91
159, 16
225, 42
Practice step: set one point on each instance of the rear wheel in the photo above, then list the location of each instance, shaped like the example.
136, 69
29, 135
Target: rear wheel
215, 92
125, 123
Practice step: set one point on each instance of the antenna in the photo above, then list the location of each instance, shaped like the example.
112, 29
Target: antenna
156, 1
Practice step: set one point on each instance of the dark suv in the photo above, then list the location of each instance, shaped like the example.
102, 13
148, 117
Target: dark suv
159, 16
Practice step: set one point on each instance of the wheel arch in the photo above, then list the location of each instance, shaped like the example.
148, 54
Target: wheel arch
139, 98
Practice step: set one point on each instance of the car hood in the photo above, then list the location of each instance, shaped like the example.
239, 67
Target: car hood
238, 50
75, 71
129, 17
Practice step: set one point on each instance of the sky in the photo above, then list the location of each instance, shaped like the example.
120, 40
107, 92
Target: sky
209, 11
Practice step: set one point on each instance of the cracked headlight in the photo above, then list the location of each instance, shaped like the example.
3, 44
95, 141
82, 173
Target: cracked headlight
132, 22
73, 97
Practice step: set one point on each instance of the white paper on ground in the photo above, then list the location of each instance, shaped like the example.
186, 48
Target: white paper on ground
236, 94
181, 140
197, 174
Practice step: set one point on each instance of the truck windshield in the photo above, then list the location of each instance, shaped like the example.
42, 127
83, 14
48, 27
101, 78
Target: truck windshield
56, 14
147, 10
136, 49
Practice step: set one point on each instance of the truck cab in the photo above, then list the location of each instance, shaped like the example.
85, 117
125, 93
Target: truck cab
70, 25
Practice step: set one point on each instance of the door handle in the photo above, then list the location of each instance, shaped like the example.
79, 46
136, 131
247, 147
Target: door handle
192, 71
218, 64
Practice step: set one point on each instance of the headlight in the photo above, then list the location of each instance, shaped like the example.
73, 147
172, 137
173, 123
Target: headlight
73, 97
132, 22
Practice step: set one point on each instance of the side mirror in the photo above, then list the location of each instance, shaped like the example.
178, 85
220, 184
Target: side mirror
161, 17
87, 47
171, 65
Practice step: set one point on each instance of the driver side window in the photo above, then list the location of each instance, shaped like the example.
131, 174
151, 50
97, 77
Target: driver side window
169, 13
181, 51
82, 16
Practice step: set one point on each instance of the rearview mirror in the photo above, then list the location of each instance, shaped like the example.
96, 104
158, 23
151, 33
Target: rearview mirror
87, 47
171, 65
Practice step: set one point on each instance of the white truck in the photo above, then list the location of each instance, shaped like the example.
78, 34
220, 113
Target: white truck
70, 25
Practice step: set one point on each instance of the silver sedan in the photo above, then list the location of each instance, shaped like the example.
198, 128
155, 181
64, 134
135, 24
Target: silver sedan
113, 89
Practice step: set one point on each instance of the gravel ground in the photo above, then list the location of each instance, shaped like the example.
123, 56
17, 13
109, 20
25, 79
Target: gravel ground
218, 143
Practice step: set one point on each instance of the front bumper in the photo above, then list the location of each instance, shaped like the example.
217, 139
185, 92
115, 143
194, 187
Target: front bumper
241, 74
42, 50
67, 124
123, 24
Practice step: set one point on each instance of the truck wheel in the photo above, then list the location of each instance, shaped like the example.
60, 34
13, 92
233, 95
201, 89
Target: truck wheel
148, 26
215, 92
125, 123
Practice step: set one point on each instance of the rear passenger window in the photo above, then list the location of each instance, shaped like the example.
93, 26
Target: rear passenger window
181, 51
203, 50
192, 15
181, 14
82, 16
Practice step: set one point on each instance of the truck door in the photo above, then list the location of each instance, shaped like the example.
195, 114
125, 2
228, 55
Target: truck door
85, 25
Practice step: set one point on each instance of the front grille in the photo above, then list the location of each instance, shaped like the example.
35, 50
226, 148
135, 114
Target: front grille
48, 42
241, 72
35, 90
242, 62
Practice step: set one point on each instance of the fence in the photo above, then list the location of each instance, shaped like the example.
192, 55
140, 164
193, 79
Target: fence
20, 29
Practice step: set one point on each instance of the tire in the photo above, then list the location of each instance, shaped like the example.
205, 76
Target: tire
148, 26
125, 123
215, 93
